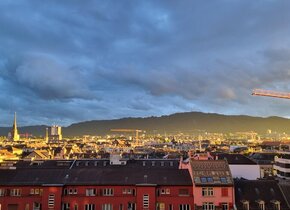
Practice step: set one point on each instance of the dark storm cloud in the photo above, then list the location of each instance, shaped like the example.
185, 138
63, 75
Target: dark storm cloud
66, 61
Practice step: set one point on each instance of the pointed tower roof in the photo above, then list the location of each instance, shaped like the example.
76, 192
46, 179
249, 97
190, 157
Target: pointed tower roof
14, 132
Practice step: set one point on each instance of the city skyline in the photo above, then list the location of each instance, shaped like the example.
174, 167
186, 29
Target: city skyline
69, 62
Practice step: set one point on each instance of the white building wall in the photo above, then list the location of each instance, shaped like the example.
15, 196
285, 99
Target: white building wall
250, 172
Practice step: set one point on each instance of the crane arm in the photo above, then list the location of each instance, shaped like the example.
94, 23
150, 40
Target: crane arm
270, 93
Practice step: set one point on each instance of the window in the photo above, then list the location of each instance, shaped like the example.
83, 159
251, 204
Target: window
75, 191
36, 191
15, 192
90, 192
146, 201
203, 179
36, 206
121, 207
131, 206
225, 206
208, 206
160, 206
65, 206
26, 206
108, 192
207, 191
261, 205
209, 179
2, 192
76, 207
90, 207
32, 191
51, 201
223, 180
184, 207
170, 207
128, 191
245, 205
276, 205
206, 179
107, 207
183, 192
225, 192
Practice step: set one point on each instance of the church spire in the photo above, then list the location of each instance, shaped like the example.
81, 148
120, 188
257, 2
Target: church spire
14, 132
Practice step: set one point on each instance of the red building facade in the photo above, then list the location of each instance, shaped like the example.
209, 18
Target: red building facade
96, 184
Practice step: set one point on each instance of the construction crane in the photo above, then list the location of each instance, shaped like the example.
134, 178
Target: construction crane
129, 130
270, 93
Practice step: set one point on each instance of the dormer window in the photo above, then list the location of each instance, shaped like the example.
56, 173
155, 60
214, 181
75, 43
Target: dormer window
261, 204
276, 205
246, 205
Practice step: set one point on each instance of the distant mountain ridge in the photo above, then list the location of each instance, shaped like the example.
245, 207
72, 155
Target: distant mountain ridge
170, 124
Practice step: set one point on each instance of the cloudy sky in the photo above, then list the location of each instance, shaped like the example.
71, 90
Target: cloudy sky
69, 61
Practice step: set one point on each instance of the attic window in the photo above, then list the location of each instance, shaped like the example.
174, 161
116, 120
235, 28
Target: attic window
203, 179
171, 163
145, 178
144, 163
246, 205
209, 179
257, 191
261, 205
276, 204
162, 163
153, 163
223, 180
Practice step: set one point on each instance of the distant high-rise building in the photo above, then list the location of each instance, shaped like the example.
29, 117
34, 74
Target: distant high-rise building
55, 134
46, 135
14, 133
